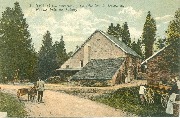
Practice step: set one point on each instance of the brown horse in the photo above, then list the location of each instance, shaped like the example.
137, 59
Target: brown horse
32, 92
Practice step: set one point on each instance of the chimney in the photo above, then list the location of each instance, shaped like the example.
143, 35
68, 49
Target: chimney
87, 49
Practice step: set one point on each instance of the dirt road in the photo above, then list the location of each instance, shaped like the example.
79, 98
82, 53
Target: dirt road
58, 104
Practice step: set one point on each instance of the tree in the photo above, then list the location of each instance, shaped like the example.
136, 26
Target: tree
47, 57
115, 31
61, 55
17, 55
120, 32
173, 31
126, 35
110, 30
148, 35
160, 43
171, 58
172, 55
137, 47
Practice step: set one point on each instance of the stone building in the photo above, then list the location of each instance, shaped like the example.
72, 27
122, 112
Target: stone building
99, 52
163, 66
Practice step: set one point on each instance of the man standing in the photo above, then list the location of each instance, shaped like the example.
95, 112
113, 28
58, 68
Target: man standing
40, 88
141, 93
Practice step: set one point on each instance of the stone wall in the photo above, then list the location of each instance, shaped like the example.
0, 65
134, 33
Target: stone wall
128, 71
100, 48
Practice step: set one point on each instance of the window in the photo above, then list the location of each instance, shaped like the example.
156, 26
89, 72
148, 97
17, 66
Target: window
81, 62
67, 66
98, 39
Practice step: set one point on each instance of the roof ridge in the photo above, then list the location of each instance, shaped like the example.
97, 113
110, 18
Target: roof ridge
105, 34
145, 61
108, 37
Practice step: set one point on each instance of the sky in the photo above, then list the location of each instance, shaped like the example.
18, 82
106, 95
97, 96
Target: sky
76, 20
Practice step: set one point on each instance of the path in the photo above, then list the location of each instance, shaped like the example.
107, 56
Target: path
58, 104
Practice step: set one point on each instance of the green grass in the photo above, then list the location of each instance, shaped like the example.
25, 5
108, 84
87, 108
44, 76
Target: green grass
11, 105
128, 100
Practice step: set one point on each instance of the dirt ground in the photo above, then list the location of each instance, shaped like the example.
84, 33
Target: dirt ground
58, 104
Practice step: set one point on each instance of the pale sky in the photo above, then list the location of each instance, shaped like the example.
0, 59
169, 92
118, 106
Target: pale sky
76, 20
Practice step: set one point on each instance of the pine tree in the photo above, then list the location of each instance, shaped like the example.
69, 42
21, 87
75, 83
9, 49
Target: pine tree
115, 31
137, 47
47, 58
118, 31
126, 35
160, 43
111, 29
17, 52
173, 31
172, 54
61, 55
148, 35
171, 58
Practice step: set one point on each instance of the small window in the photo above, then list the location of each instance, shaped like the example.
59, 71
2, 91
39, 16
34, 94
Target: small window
98, 39
67, 66
81, 63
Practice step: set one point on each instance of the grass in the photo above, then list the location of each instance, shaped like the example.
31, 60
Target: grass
128, 100
11, 105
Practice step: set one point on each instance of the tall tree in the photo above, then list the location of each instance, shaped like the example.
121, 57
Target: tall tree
18, 58
137, 47
110, 30
173, 31
172, 55
47, 57
149, 34
126, 35
160, 43
61, 55
120, 32
115, 31
171, 58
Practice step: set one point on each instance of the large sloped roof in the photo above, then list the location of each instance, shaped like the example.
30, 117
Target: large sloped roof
101, 69
114, 40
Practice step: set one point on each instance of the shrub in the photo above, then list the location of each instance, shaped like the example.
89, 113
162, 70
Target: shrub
128, 100
11, 105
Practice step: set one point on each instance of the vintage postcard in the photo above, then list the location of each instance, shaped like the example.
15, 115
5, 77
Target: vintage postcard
89, 58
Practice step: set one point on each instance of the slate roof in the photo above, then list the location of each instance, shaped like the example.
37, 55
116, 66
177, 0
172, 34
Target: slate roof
114, 40
102, 69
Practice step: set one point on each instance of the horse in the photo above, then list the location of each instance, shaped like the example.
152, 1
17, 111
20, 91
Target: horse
32, 92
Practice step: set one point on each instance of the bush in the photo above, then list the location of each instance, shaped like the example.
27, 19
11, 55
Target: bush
128, 100
11, 105
56, 79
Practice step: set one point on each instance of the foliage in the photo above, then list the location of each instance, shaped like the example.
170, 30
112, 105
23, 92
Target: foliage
128, 100
137, 47
12, 106
173, 31
126, 35
17, 56
56, 80
115, 31
120, 32
171, 58
61, 55
160, 43
148, 35
47, 58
